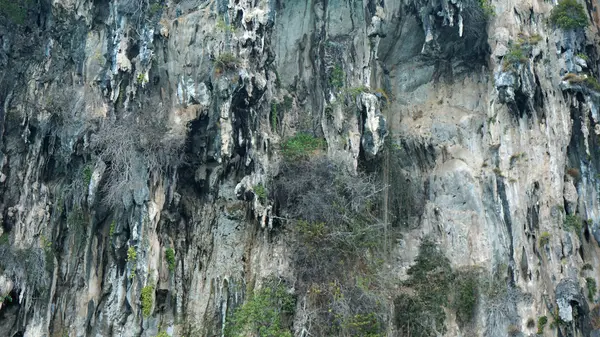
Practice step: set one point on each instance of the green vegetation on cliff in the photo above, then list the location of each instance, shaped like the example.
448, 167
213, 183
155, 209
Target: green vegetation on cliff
569, 14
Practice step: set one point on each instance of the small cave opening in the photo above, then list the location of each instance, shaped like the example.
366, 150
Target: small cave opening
586, 234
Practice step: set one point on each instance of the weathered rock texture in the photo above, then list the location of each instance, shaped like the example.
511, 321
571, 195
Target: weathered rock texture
172, 103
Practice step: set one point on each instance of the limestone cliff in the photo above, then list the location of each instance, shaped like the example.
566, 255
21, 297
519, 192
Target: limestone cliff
145, 164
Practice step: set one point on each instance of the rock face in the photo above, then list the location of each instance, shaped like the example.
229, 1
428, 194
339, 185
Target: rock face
140, 139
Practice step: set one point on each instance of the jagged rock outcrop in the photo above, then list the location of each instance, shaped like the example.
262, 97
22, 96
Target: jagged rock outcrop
141, 143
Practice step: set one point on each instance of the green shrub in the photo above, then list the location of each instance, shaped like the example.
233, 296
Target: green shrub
592, 83
591, 287
466, 294
337, 77
587, 266
544, 239
260, 192
131, 254
422, 314
573, 223
170, 256
302, 146
487, 8
542, 321
162, 333
264, 314
517, 54
147, 299
569, 14
87, 175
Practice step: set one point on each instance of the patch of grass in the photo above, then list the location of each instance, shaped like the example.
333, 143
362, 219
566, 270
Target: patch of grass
517, 54
573, 223
542, 321
591, 287
266, 313
302, 146
226, 61
111, 230
162, 333
261, 192
170, 256
583, 57
544, 239
147, 299
569, 14
131, 254
223, 26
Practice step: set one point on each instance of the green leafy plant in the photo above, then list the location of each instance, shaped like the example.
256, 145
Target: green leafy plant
573, 223
542, 321
147, 298
131, 254
569, 14
265, 313
591, 287
302, 146
162, 333
487, 8
261, 192
170, 256
516, 55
